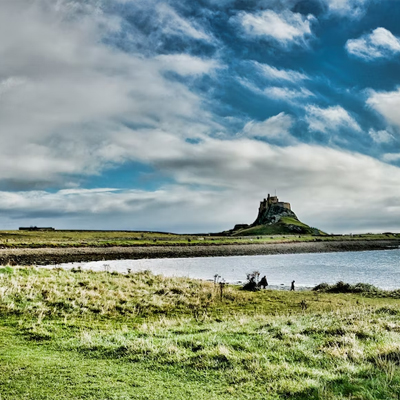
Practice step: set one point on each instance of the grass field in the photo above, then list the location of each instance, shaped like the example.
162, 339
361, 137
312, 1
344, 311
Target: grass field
84, 335
60, 238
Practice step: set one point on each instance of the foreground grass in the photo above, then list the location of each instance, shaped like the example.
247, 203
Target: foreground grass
65, 239
83, 335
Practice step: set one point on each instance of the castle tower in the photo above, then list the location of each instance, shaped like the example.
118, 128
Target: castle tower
270, 207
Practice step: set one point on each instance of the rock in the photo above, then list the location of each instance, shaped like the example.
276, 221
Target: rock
273, 214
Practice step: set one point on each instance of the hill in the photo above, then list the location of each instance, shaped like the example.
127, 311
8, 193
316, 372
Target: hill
286, 225
274, 218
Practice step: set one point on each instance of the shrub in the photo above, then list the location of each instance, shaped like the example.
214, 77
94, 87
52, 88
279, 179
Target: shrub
342, 287
321, 287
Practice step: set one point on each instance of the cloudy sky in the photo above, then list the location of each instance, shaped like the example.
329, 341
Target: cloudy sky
182, 115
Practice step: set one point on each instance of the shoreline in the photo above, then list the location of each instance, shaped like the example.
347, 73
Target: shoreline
46, 256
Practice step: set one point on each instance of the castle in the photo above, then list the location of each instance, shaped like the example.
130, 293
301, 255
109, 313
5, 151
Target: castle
276, 214
271, 210
269, 201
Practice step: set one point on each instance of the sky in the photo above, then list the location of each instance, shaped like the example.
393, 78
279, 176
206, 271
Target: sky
181, 116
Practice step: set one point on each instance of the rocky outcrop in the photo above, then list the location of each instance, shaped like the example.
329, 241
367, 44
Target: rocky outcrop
273, 214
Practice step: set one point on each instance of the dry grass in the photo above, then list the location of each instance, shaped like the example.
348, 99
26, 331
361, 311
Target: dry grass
261, 345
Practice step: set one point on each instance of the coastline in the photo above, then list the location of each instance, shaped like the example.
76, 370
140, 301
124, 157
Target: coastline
46, 256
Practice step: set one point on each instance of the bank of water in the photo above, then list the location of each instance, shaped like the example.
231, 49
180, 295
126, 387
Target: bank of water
380, 268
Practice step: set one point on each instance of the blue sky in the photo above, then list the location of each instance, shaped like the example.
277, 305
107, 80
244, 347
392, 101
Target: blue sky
182, 116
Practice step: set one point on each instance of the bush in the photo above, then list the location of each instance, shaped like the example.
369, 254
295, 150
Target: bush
250, 286
321, 287
342, 287
252, 282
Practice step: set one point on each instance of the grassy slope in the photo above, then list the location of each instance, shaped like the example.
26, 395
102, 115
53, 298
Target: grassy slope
280, 228
82, 335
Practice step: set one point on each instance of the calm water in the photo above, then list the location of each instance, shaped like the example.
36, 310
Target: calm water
380, 268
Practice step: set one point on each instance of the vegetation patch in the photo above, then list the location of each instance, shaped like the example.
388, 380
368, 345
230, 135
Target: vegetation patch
364, 289
88, 335
278, 232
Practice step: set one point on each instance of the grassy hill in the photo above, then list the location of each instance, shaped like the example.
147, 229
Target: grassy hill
286, 225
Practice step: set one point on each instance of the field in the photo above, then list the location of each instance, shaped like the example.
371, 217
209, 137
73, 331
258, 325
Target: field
84, 335
65, 239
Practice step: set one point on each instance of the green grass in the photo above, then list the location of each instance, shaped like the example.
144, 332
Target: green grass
261, 234
282, 227
85, 335
293, 221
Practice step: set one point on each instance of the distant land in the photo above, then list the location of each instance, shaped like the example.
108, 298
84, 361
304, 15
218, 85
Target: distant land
276, 230
54, 247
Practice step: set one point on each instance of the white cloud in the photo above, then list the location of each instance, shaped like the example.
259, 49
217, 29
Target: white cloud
276, 128
328, 188
330, 119
391, 157
382, 136
289, 95
11, 82
64, 94
381, 43
250, 86
185, 64
285, 28
286, 94
151, 26
273, 73
387, 104
173, 24
347, 8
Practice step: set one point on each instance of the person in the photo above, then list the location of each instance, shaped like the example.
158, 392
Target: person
251, 285
263, 282
292, 286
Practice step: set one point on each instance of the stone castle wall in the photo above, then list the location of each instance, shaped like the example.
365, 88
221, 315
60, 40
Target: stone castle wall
271, 209
284, 205
266, 203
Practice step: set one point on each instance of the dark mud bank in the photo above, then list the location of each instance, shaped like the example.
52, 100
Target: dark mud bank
45, 256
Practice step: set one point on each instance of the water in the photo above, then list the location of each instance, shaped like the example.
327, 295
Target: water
380, 268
